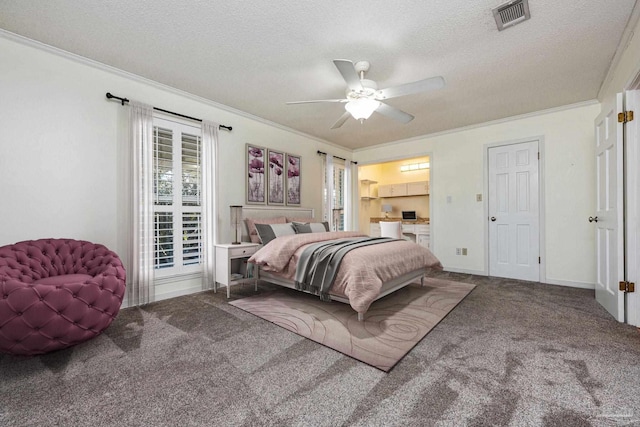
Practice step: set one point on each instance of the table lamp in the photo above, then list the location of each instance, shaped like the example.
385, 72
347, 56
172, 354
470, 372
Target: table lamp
386, 209
236, 220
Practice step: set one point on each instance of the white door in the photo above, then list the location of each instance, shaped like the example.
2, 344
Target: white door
609, 209
632, 206
514, 224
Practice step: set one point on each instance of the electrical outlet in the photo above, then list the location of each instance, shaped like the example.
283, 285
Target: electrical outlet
458, 251
464, 251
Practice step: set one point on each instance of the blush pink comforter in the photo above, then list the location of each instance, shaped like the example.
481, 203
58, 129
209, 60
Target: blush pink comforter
362, 271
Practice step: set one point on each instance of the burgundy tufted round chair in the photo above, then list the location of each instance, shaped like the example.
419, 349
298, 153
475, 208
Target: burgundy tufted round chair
55, 293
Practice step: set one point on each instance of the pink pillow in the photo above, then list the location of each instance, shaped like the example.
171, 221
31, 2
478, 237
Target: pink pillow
251, 225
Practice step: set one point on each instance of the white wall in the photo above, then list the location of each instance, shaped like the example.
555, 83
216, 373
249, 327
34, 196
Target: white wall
59, 158
59, 163
457, 170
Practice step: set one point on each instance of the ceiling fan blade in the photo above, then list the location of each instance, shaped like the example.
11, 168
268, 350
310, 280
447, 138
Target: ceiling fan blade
394, 113
432, 83
343, 118
317, 100
349, 74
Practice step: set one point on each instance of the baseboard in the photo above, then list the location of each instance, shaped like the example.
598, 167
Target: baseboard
569, 283
178, 293
465, 271
556, 282
168, 295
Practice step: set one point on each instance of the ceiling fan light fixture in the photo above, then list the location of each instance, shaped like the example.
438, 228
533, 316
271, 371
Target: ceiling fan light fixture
362, 108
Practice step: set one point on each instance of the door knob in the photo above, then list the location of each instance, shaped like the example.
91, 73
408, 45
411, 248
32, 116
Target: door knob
493, 218
593, 219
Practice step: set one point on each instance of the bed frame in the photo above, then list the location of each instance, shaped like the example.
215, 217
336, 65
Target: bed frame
271, 212
257, 211
387, 288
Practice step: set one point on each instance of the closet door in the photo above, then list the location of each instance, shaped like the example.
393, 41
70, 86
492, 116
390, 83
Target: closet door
514, 218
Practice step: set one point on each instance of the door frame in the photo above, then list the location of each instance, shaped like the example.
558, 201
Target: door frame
541, 206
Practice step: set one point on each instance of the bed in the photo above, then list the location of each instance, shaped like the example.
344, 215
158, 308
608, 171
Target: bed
365, 274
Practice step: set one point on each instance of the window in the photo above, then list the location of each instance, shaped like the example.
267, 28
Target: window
177, 204
337, 195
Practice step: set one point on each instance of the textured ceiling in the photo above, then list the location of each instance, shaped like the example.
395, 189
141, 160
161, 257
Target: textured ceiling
256, 55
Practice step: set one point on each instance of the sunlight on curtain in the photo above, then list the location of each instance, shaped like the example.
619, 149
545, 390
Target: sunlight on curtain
209, 201
140, 289
348, 202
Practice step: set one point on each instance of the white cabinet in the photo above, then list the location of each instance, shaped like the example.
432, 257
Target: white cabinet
423, 235
408, 229
392, 190
423, 240
419, 188
399, 190
231, 264
384, 191
422, 228
366, 193
419, 233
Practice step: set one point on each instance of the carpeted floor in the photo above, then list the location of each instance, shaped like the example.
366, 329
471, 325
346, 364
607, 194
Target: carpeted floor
510, 354
391, 327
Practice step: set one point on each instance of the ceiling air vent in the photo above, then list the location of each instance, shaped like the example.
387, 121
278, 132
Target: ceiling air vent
512, 13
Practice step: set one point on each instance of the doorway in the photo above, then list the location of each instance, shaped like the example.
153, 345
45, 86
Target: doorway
389, 188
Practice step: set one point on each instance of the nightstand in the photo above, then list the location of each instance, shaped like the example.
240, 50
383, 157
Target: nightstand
231, 264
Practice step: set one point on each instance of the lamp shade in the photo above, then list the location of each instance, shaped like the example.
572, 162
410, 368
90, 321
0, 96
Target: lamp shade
362, 108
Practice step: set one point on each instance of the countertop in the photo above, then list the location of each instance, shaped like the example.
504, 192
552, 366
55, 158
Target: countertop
382, 219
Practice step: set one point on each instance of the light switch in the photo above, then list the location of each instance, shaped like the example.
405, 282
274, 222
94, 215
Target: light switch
448, 199
478, 197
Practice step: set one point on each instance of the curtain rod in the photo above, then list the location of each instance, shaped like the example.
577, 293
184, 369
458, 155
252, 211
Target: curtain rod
322, 153
125, 100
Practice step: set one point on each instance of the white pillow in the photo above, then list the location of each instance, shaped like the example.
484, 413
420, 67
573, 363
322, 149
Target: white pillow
310, 227
268, 232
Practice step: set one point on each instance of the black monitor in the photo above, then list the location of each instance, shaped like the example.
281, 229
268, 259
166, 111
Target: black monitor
409, 216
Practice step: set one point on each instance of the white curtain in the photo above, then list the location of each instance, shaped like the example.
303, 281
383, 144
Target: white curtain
209, 201
348, 196
328, 180
140, 288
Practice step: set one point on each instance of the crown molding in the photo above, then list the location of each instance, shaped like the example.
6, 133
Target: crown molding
131, 76
143, 80
625, 40
483, 124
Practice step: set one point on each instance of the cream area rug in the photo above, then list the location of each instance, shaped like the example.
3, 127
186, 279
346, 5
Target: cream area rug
392, 326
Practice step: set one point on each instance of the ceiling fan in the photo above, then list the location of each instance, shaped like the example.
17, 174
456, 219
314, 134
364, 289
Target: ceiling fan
364, 97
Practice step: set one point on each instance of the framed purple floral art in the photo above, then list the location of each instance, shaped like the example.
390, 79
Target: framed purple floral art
276, 173
293, 180
256, 181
